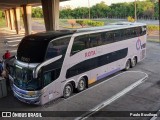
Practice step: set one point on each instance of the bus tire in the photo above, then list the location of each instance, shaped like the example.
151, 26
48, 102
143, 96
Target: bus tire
128, 65
134, 62
81, 84
68, 90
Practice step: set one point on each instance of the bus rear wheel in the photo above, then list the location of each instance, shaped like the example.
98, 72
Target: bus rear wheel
134, 62
81, 85
128, 65
68, 90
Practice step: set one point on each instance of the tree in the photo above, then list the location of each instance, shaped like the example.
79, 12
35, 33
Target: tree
1, 14
99, 10
37, 12
156, 10
147, 8
80, 12
66, 13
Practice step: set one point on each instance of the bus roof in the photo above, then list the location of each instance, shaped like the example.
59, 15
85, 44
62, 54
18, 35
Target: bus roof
112, 26
50, 35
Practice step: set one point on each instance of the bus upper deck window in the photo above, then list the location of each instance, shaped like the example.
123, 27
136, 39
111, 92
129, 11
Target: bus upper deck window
80, 43
57, 47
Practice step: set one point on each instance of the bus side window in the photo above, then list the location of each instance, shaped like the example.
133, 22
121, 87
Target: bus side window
133, 32
129, 33
50, 76
57, 47
144, 30
47, 78
122, 34
94, 40
126, 34
110, 37
117, 36
103, 38
138, 31
80, 43
106, 38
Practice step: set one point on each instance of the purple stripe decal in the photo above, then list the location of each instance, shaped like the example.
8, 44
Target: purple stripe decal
19, 90
109, 73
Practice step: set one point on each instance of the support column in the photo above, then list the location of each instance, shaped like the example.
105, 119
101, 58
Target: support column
27, 18
51, 14
6, 18
11, 16
17, 19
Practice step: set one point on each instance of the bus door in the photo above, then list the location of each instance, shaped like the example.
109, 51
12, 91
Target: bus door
50, 84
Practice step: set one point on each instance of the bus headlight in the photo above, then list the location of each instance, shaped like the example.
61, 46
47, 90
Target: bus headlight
34, 94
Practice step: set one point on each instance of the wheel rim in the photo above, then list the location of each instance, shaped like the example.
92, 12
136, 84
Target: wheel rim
68, 91
134, 62
81, 84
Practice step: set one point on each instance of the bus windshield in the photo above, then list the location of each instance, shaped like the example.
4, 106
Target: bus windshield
32, 51
24, 80
36, 51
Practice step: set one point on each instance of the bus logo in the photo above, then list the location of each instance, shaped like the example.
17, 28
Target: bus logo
90, 53
138, 44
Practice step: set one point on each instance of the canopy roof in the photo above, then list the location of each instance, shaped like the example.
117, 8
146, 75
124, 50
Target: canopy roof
7, 4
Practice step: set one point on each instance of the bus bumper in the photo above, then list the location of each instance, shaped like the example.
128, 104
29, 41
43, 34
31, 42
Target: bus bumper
22, 97
35, 101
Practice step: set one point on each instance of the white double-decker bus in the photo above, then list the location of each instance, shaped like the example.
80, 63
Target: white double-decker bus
50, 65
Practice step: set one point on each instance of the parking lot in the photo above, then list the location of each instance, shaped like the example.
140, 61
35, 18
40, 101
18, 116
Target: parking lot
123, 91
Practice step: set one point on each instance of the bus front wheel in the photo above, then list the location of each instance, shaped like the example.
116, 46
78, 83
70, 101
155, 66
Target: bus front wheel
81, 85
68, 90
